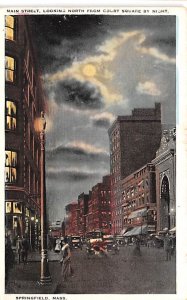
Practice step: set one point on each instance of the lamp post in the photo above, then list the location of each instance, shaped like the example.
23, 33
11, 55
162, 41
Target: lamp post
31, 220
45, 277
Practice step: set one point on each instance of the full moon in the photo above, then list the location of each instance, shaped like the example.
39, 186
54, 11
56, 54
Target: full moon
89, 70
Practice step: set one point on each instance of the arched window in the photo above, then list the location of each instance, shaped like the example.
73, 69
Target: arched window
165, 204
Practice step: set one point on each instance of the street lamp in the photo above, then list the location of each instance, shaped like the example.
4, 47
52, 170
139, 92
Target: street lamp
45, 277
31, 220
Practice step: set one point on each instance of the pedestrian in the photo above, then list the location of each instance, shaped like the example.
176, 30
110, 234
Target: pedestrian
168, 246
58, 246
66, 261
9, 258
24, 249
18, 248
136, 250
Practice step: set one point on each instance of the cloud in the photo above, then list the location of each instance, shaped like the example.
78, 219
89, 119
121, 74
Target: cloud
148, 87
101, 62
153, 51
103, 119
82, 95
77, 148
72, 175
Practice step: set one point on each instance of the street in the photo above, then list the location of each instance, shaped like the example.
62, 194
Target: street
121, 274
124, 273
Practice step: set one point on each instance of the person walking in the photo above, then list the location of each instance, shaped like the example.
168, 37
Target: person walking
168, 246
66, 261
24, 249
18, 248
9, 258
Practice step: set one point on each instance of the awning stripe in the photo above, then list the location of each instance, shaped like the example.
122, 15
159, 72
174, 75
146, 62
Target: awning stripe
138, 230
138, 213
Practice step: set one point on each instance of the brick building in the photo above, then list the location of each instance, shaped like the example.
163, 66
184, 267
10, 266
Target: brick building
139, 200
83, 200
165, 166
24, 101
71, 219
134, 140
99, 212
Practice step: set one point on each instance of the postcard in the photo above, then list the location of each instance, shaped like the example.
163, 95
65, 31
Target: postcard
93, 131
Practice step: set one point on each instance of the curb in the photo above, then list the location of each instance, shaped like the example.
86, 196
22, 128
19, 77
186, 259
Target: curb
30, 287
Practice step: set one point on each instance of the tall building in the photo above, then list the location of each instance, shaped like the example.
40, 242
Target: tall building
99, 213
71, 218
134, 140
165, 167
139, 206
83, 200
24, 101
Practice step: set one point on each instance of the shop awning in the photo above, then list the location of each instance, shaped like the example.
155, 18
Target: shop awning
123, 231
138, 213
138, 230
173, 229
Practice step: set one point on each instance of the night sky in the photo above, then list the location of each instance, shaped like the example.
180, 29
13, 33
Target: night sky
94, 68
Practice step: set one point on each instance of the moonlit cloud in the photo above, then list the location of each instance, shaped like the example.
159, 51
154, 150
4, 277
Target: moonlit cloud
149, 88
101, 75
103, 119
157, 54
87, 147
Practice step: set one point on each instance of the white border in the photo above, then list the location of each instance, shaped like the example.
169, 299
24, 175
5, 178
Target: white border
175, 8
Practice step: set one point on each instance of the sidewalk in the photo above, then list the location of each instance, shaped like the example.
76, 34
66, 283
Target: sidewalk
24, 279
36, 256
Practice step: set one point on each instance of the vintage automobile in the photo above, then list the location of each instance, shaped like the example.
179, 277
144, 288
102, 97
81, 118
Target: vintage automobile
109, 242
120, 240
96, 248
75, 242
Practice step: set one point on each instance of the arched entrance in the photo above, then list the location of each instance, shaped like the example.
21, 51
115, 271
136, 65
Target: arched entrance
165, 204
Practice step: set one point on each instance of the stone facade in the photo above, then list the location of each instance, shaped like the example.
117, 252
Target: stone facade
24, 101
165, 167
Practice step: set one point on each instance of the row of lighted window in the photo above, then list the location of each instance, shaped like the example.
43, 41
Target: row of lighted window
117, 223
115, 169
10, 115
10, 166
11, 163
10, 27
115, 179
13, 207
115, 146
115, 158
10, 73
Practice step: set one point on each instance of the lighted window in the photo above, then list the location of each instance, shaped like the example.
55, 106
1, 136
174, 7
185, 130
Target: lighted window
15, 222
27, 213
17, 208
10, 115
10, 28
10, 166
10, 68
8, 207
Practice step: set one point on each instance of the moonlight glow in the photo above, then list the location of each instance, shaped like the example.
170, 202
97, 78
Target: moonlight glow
89, 70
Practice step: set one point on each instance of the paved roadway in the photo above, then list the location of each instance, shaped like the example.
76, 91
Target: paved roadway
120, 274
